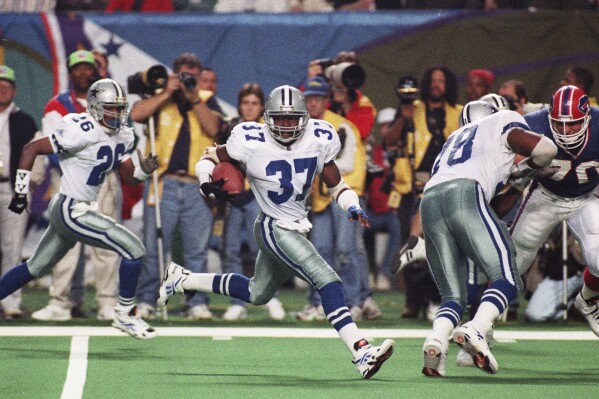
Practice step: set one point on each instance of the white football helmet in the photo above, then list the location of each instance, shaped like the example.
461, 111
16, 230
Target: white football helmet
476, 110
498, 101
107, 103
286, 101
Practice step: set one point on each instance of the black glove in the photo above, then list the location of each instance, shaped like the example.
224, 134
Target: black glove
214, 189
18, 203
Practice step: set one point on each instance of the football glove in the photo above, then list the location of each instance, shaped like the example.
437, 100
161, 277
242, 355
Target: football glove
354, 213
214, 189
19, 203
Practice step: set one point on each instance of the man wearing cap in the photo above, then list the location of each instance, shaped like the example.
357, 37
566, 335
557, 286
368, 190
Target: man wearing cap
83, 72
17, 128
325, 215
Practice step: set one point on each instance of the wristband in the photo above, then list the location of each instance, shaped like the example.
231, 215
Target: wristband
22, 181
196, 102
139, 174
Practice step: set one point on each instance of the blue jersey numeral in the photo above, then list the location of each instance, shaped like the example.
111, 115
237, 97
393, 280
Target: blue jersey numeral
110, 161
461, 148
285, 172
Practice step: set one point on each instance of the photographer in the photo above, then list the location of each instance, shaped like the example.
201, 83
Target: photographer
185, 126
421, 128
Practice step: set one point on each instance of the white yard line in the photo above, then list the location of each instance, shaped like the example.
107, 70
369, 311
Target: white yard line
75, 381
223, 332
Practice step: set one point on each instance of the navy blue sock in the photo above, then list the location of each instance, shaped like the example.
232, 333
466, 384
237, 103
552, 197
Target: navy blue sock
128, 275
333, 304
233, 285
452, 311
14, 279
500, 294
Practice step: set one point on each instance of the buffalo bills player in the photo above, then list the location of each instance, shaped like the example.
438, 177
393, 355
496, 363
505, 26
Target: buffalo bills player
282, 157
459, 224
570, 194
88, 146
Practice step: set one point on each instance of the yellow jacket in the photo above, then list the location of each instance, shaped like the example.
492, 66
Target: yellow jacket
356, 179
167, 130
419, 141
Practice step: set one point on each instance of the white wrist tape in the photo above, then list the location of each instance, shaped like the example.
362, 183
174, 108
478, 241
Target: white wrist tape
139, 174
345, 196
544, 152
22, 181
204, 169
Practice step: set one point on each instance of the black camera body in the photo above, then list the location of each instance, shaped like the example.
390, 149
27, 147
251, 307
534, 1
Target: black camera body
148, 82
188, 80
407, 90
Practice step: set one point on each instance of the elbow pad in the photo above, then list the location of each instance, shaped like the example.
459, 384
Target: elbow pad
544, 152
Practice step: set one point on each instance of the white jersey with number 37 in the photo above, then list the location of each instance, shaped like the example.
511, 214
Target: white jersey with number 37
479, 151
281, 176
87, 153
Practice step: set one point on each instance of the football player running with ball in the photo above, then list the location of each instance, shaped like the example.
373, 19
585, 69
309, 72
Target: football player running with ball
281, 158
88, 146
570, 194
459, 223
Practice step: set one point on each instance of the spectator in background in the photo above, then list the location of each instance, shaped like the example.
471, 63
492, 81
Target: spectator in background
243, 210
583, 79
63, 302
433, 118
354, 5
209, 81
17, 128
480, 82
514, 92
270, 6
349, 102
310, 6
140, 5
185, 126
383, 216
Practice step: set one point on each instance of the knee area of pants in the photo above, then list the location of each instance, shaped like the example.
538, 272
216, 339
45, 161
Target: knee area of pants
260, 299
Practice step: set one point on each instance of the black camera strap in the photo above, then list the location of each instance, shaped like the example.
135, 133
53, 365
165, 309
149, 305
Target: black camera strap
137, 5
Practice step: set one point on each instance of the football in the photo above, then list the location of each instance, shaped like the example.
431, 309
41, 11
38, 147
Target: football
233, 176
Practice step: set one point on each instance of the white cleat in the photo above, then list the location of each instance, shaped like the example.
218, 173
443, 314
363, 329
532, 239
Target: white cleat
174, 275
369, 359
275, 309
412, 251
434, 354
464, 359
473, 343
133, 325
235, 312
590, 310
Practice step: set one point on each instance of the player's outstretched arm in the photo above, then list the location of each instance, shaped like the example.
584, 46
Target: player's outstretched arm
346, 197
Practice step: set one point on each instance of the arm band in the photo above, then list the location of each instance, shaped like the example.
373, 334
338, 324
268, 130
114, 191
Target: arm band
544, 152
206, 165
139, 174
22, 181
345, 196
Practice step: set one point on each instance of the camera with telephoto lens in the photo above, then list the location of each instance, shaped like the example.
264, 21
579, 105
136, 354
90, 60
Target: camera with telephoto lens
148, 82
189, 81
347, 74
407, 90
